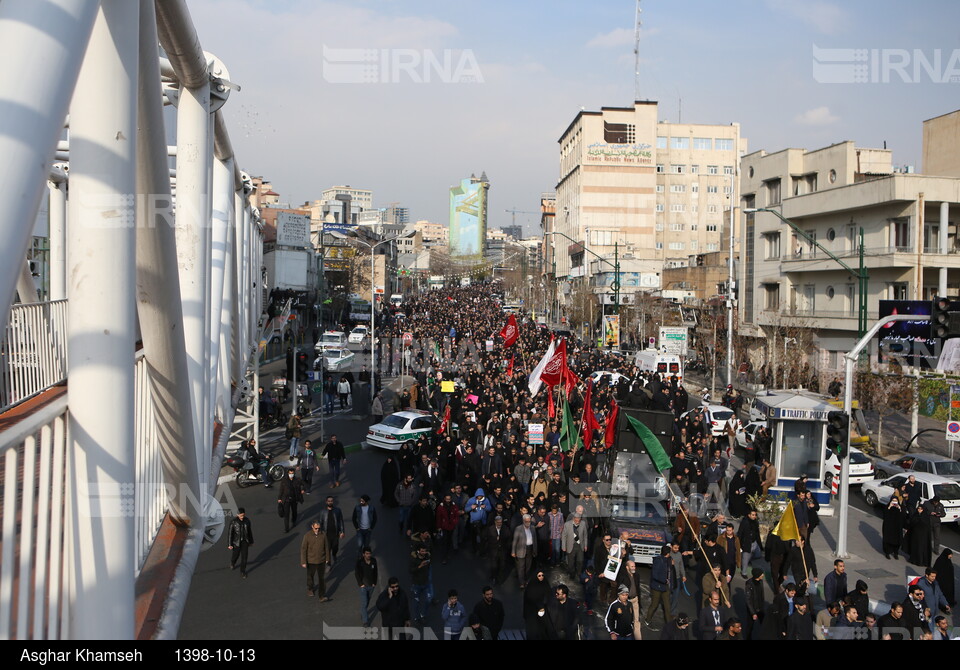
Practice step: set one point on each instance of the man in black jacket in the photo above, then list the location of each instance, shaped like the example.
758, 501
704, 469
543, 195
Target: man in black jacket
336, 456
564, 615
367, 575
331, 522
712, 617
394, 607
678, 629
239, 539
619, 617
290, 495
755, 604
490, 611
750, 545
800, 624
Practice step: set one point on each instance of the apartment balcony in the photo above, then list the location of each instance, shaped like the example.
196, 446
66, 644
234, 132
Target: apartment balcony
815, 260
820, 319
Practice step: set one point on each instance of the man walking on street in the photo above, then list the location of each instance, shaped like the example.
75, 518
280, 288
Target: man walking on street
660, 585
291, 495
336, 456
394, 607
308, 465
490, 611
420, 574
293, 433
331, 521
315, 556
239, 538
364, 520
367, 575
524, 549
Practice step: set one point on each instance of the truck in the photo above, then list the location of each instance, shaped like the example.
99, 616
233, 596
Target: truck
651, 360
637, 495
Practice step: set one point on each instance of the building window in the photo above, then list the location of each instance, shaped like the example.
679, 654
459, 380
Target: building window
694, 226
676, 227
659, 245
601, 238
712, 189
661, 142
677, 207
660, 169
659, 188
771, 297
677, 188
728, 169
711, 227
694, 169
711, 209
713, 169
713, 246
659, 207
679, 142
728, 189
658, 227
723, 144
619, 133
898, 290
694, 209
676, 246
703, 143
851, 300
773, 192
693, 245
772, 245
694, 188
901, 234
678, 169
852, 238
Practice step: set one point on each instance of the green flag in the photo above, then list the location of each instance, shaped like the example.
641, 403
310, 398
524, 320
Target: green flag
569, 435
650, 441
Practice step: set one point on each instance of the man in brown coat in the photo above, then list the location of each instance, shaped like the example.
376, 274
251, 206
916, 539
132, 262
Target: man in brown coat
315, 556
768, 475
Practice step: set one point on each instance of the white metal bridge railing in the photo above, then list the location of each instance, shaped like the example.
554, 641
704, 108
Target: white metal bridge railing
34, 351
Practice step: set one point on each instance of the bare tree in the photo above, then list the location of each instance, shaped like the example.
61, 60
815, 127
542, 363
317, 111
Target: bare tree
885, 395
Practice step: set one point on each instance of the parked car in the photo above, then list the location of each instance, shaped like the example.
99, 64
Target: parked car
878, 492
861, 468
920, 462
605, 377
716, 417
400, 427
338, 360
331, 339
746, 435
358, 335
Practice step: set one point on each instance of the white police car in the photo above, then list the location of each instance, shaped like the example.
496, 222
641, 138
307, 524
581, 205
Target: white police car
400, 427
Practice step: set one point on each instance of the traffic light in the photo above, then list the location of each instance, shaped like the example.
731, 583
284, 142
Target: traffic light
302, 366
838, 433
939, 317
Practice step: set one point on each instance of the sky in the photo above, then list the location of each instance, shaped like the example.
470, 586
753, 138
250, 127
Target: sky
326, 97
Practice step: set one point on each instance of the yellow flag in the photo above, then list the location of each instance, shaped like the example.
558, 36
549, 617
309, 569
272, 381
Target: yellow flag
786, 528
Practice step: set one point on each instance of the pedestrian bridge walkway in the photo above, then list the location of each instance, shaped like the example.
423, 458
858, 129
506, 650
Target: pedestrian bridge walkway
120, 384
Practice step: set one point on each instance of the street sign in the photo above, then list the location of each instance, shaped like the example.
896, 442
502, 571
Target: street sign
953, 431
673, 341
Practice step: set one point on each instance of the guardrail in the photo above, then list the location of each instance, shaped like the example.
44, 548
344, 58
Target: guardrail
34, 351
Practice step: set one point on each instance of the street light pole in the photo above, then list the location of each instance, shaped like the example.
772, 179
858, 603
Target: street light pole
731, 284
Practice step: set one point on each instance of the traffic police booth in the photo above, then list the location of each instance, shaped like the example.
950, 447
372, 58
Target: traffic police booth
798, 428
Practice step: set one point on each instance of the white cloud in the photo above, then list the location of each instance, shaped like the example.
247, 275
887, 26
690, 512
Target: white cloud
824, 17
818, 116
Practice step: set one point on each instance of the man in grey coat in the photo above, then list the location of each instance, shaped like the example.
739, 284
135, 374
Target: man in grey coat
524, 548
572, 542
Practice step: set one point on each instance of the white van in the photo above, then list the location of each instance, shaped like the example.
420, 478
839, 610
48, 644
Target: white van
396, 300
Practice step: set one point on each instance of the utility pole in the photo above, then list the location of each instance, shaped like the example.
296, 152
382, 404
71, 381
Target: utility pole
731, 284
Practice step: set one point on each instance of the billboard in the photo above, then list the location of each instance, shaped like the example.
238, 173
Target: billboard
293, 230
908, 341
611, 331
468, 218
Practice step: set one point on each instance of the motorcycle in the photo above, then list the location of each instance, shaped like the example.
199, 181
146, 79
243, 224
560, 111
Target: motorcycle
247, 472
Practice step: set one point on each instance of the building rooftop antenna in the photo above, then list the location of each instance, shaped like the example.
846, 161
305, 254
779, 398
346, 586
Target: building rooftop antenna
636, 53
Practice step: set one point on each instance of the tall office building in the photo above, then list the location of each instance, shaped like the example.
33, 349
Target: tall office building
656, 190
468, 218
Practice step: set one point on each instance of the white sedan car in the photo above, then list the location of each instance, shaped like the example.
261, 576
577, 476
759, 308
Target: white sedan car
358, 335
861, 468
748, 433
400, 427
715, 417
878, 492
338, 360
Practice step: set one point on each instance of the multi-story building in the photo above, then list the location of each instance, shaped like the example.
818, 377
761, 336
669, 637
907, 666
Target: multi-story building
704, 276
394, 213
360, 197
433, 234
793, 289
654, 192
514, 232
468, 218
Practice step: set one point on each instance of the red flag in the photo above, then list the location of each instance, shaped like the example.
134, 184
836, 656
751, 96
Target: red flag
445, 424
510, 367
551, 410
570, 380
590, 423
510, 332
553, 371
610, 434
